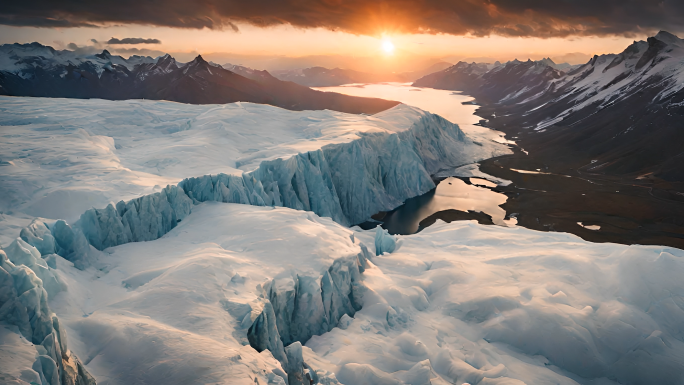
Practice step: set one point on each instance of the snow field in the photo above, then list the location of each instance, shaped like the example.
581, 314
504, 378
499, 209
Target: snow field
456, 303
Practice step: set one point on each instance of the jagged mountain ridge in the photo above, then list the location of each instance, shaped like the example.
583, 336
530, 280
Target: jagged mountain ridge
494, 81
37, 70
325, 77
618, 114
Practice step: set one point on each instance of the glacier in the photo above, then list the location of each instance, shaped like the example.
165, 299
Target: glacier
24, 309
364, 166
306, 168
249, 273
455, 303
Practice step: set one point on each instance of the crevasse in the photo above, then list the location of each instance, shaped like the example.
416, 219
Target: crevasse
347, 182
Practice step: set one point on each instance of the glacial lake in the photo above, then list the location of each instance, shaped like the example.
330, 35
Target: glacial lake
462, 194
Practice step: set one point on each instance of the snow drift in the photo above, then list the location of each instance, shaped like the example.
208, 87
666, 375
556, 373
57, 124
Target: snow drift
175, 286
347, 181
353, 167
455, 303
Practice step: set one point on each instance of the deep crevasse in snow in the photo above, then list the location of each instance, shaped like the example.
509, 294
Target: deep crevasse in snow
351, 181
346, 181
24, 306
455, 303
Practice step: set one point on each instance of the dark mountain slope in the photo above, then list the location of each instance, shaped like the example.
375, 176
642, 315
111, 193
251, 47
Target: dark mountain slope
618, 115
325, 77
36, 70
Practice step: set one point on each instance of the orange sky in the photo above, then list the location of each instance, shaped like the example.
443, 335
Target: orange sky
286, 40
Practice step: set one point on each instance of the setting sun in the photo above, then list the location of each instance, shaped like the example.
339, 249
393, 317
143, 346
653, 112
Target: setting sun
388, 47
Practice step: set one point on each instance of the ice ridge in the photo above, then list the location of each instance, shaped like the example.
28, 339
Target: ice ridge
297, 307
384, 242
24, 304
347, 182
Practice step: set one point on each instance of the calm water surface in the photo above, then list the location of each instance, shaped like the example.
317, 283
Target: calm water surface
447, 104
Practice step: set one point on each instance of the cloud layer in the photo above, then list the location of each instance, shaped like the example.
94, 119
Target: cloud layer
133, 40
540, 18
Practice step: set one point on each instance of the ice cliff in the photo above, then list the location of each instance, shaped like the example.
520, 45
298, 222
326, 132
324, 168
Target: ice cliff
370, 164
346, 181
297, 307
25, 284
384, 242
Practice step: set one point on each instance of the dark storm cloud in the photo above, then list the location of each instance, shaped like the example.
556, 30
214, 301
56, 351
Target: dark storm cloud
542, 18
41, 21
133, 40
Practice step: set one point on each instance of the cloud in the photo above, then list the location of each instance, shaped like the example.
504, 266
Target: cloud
133, 40
137, 51
98, 47
525, 18
40, 21
83, 50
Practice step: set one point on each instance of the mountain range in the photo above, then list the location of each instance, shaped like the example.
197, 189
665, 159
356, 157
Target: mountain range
325, 77
618, 114
38, 70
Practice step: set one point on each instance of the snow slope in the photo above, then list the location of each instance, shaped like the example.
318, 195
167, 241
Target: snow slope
62, 156
456, 303
245, 294
59, 158
21, 59
622, 110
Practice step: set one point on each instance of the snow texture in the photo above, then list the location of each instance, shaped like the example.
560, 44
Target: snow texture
457, 302
387, 147
24, 312
252, 293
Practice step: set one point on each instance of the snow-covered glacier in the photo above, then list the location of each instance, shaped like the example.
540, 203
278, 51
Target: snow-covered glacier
351, 181
231, 293
61, 157
66, 155
342, 166
243, 269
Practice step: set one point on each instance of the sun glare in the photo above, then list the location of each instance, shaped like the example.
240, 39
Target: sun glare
388, 47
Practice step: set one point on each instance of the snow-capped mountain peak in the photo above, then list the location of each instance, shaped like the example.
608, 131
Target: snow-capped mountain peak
615, 104
667, 37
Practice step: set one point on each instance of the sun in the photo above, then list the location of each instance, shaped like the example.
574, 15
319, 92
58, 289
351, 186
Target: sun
388, 47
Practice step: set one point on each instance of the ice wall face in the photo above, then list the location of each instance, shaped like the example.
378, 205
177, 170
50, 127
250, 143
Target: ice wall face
376, 173
21, 253
384, 242
371, 164
57, 239
298, 307
347, 182
143, 219
24, 304
302, 182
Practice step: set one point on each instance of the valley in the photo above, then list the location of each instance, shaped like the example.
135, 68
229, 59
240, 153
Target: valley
503, 223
